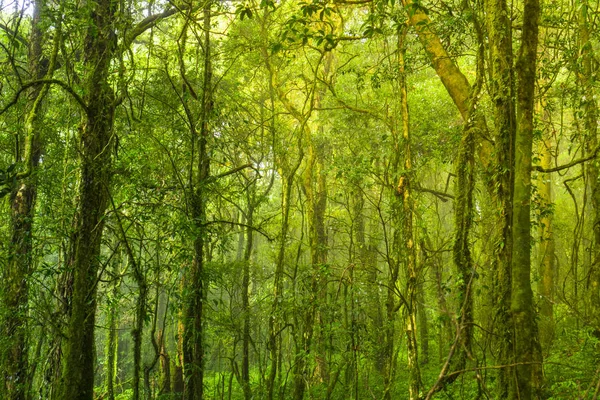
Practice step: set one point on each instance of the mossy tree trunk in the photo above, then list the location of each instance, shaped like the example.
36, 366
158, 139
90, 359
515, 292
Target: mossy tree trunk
251, 205
404, 192
526, 351
315, 189
194, 281
546, 257
96, 137
462, 252
590, 108
501, 180
288, 173
14, 356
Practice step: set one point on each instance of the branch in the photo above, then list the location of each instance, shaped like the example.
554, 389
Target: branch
148, 23
440, 195
29, 84
230, 172
15, 35
539, 168
255, 229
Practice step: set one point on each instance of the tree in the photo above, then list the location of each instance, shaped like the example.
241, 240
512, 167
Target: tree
94, 194
14, 358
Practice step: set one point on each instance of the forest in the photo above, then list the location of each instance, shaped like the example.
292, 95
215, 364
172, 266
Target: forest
299, 199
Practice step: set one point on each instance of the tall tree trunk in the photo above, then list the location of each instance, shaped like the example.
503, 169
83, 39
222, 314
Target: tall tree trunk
463, 206
140, 317
522, 308
502, 93
315, 188
546, 246
404, 191
394, 252
165, 365
546, 253
112, 340
195, 285
590, 108
246, 293
79, 359
14, 356
423, 321
276, 317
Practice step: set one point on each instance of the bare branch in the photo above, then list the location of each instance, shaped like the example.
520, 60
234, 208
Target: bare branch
593, 155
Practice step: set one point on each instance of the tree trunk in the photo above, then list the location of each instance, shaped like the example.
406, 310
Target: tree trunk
195, 285
501, 187
246, 294
422, 319
140, 314
316, 195
275, 318
112, 339
165, 365
288, 175
78, 372
546, 246
522, 308
404, 191
590, 108
463, 206
14, 356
